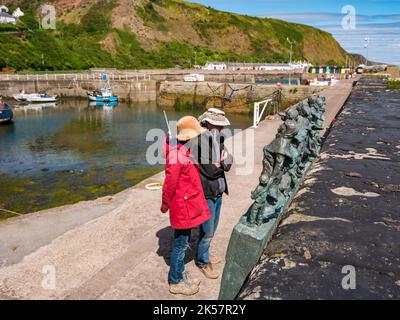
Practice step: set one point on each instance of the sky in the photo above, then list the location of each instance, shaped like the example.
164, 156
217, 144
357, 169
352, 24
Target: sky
351, 22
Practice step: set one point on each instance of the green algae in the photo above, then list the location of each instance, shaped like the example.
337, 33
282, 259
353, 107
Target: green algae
24, 195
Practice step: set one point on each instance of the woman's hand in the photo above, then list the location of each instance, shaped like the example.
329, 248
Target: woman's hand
224, 155
164, 208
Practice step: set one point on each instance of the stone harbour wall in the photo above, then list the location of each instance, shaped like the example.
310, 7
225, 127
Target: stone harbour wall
127, 90
232, 97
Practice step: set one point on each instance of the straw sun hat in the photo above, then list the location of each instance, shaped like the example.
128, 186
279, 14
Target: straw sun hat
215, 117
188, 128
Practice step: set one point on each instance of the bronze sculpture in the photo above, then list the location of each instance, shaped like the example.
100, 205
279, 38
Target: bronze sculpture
287, 159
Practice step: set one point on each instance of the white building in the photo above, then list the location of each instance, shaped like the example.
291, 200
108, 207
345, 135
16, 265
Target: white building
215, 66
275, 67
303, 65
7, 18
245, 66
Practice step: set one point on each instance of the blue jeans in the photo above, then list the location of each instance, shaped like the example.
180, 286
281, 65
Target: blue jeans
207, 232
177, 264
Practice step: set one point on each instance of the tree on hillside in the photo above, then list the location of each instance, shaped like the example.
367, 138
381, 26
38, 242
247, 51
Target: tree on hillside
2, 63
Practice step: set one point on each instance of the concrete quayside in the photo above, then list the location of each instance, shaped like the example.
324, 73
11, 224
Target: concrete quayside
118, 247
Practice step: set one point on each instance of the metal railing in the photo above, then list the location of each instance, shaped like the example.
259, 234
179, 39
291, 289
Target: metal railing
74, 76
262, 105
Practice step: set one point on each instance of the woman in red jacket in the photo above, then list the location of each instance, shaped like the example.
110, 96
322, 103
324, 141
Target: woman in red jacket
184, 198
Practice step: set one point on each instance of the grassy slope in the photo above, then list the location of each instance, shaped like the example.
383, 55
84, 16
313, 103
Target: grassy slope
155, 34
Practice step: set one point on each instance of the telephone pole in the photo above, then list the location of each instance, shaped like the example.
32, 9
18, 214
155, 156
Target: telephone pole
366, 46
291, 42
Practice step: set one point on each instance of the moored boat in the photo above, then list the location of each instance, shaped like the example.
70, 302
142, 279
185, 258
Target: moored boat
104, 95
34, 97
6, 113
41, 97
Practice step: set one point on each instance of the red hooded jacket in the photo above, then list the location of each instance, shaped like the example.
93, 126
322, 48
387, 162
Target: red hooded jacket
182, 190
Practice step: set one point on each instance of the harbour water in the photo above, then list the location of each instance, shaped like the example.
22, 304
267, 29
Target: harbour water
69, 152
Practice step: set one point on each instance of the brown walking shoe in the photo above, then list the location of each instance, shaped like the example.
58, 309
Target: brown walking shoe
209, 272
183, 288
188, 278
215, 259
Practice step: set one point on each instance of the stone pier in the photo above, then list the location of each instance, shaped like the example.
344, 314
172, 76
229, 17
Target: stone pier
118, 247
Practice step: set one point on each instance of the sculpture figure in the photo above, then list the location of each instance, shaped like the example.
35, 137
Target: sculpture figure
259, 195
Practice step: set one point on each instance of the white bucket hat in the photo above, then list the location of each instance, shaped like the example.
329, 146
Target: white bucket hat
215, 117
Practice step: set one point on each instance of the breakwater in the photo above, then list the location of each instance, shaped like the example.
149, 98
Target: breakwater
232, 97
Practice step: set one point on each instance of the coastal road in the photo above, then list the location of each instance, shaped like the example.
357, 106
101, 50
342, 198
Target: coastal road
119, 247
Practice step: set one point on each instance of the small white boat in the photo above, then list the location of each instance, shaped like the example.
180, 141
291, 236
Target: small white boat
34, 97
38, 98
195, 77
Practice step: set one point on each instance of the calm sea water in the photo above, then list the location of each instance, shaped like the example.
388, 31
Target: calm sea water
70, 152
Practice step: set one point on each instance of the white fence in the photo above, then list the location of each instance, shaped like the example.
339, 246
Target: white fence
74, 76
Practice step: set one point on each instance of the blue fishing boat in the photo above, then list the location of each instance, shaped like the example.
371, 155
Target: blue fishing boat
6, 114
104, 95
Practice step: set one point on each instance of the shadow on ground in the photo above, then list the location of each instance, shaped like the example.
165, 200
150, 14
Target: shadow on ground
165, 242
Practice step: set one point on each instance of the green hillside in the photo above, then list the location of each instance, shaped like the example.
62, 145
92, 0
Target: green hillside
153, 34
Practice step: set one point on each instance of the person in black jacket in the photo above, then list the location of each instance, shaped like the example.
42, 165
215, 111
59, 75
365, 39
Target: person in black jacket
214, 161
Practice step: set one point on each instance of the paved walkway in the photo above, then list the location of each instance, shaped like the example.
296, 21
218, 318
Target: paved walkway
347, 213
118, 247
